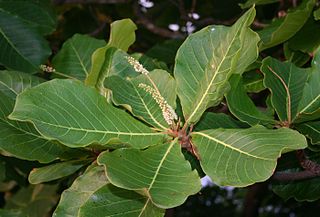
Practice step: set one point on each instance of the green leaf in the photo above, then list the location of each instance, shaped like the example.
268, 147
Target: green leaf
211, 120
80, 191
122, 36
151, 171
112, 201
311, 130
253, 81
249, 3
22, 48
126, 92
305, 39
55, 171
280, 30
35, 201
285, 82
307, 190
207, 59
38, 16
77, 116
21, 139
14, 82
74, 59
309, 106
241, 157
295, 56
241, 106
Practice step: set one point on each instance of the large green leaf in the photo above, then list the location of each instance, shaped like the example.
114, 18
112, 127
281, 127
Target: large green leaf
77, 116
127, 92
242, 106
55, 171
311, 130
74, 59
280, 30
80, 191
240, 157
160, 172
21, 139
35, 14
309, 106
122, 36
207, 59
22, 48
285, 82
111, 201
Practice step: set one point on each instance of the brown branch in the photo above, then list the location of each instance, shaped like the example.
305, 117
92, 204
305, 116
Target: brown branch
59, 2
293, 176
148, 24
311, 170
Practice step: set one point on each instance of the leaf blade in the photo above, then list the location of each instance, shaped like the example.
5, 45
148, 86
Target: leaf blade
89, 118
27, 48
80, 191
112, 201
152, 179
202, 74
243, 156
141, 103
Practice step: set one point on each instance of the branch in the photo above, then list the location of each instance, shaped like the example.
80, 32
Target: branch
148, 24
293, 176
311, 170
59, 2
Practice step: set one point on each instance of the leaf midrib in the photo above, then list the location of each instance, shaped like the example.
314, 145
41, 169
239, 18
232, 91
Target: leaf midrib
147, 109
79, 58
214, 76
310, 104
14, 47
231, 147
160, 164
88, 130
